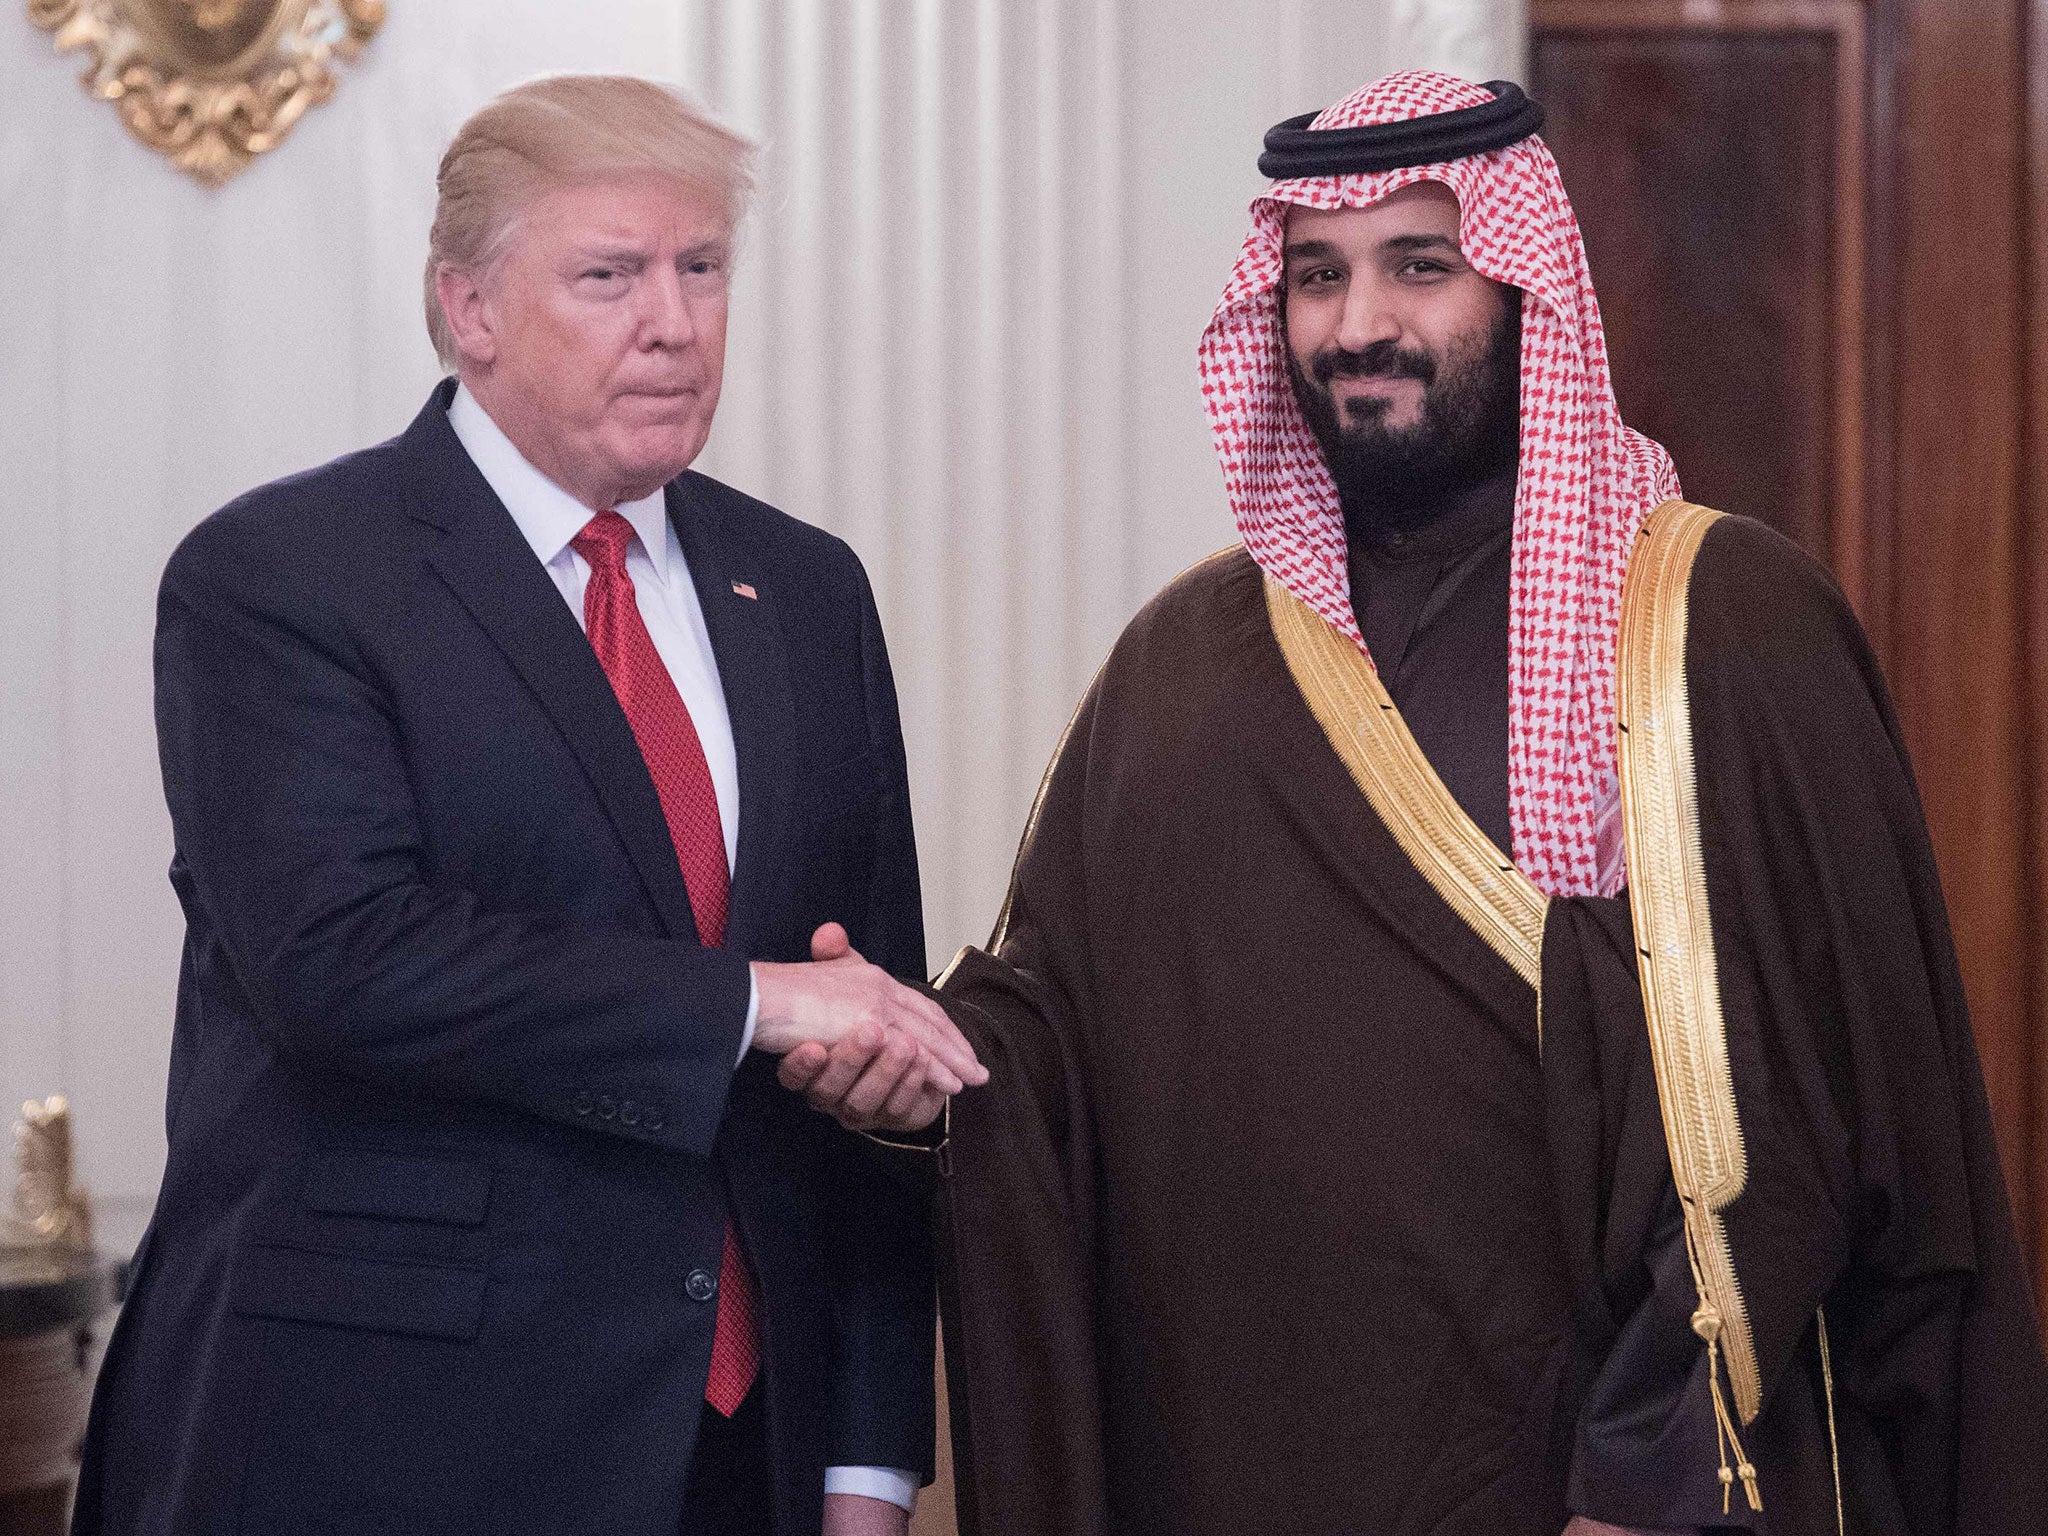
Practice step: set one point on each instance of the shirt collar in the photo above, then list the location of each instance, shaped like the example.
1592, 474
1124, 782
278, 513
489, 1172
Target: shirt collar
1465, 521
548, 516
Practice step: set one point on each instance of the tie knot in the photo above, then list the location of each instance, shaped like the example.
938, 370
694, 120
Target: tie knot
603, 542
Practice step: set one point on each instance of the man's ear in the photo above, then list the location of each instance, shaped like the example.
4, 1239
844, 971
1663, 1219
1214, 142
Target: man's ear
463, 306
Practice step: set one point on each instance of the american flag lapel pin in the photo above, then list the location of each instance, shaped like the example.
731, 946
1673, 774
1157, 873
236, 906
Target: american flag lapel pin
745, 591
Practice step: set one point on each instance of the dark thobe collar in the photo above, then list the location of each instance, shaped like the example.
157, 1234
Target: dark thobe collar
1467, 520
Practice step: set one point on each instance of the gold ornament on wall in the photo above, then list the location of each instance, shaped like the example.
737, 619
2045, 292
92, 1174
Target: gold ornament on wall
211, 83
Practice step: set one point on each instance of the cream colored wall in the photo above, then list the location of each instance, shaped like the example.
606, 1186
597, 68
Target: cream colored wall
963, 337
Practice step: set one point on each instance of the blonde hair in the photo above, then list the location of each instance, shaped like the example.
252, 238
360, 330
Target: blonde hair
558, 131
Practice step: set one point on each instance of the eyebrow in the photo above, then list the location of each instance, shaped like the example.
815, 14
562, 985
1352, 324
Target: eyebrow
1421, 243
611, 255
635, 256
1326, 250
1312, 250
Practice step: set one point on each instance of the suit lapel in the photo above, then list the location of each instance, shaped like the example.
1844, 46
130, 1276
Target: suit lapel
753, 669
493, 574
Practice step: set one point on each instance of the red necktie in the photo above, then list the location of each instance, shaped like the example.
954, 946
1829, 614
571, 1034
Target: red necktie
675, 760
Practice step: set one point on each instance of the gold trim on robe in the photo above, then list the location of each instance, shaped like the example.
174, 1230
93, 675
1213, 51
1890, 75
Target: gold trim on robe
1666, 877
1674, 938
1343, 691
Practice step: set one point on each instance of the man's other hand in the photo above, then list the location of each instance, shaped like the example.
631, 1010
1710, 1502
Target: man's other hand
851, 1514
839, 1013
1581, 1526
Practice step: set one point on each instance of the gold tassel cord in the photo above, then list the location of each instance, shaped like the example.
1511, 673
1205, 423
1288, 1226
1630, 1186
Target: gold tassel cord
1706, 1322
1827, 1381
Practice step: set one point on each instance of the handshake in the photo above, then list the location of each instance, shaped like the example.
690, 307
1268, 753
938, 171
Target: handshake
856, 1042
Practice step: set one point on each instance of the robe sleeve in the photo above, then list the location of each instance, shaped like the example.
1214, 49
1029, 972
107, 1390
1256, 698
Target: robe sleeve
1019, 1197
1875, 1190
1642, 1447
1873, 1196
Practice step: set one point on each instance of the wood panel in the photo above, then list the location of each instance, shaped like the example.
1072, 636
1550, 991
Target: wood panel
1702, 168
1844, 334
1958, 592
2033, 1071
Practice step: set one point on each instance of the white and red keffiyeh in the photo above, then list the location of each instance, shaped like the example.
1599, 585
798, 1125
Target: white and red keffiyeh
1585, 486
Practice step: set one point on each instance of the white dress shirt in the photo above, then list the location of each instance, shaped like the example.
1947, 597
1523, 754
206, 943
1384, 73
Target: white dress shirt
549, 517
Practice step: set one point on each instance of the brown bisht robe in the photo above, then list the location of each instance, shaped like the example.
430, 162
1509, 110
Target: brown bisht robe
1287, 1209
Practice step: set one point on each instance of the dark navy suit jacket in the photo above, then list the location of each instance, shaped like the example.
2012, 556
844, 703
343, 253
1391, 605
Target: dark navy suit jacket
454, 1121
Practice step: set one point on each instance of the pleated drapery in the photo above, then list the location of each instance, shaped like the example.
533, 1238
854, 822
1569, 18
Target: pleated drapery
962, 337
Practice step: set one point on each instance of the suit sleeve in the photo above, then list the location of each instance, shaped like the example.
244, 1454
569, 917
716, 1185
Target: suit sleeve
300, 846
882, 1252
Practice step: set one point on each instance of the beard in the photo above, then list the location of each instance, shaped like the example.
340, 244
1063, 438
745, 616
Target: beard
1468, 431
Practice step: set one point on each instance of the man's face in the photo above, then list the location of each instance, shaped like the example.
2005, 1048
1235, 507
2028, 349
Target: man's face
1404, 359
599, 343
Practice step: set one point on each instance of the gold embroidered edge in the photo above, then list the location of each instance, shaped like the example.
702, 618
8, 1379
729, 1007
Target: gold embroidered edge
1674, 937
1827, 1382
1475, 879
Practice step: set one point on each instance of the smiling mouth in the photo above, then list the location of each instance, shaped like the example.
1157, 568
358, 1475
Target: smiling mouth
1373, 382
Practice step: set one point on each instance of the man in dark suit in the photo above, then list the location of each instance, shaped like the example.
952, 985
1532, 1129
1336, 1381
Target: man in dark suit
530, 796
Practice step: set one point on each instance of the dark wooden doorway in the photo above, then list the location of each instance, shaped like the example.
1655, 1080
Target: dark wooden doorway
1815, 226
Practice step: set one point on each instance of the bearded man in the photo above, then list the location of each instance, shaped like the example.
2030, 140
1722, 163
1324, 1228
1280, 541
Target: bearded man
1476, 1044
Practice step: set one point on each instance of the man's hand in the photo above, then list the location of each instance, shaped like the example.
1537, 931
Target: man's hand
849, 1514
865, 1080
1581, 1526
857, 1084
886, 1055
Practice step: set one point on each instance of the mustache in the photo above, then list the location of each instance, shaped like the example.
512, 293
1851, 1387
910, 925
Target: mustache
1381, 360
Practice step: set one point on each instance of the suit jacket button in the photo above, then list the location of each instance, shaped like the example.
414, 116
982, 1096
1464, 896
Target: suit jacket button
629, 1112
607, 1106
583, 1104
653, 1120
700, 1286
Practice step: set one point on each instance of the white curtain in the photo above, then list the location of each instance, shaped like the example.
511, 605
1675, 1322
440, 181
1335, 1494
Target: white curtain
963, 337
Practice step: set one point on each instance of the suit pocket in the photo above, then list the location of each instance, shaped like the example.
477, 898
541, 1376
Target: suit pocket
375, 1401
300, 1285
